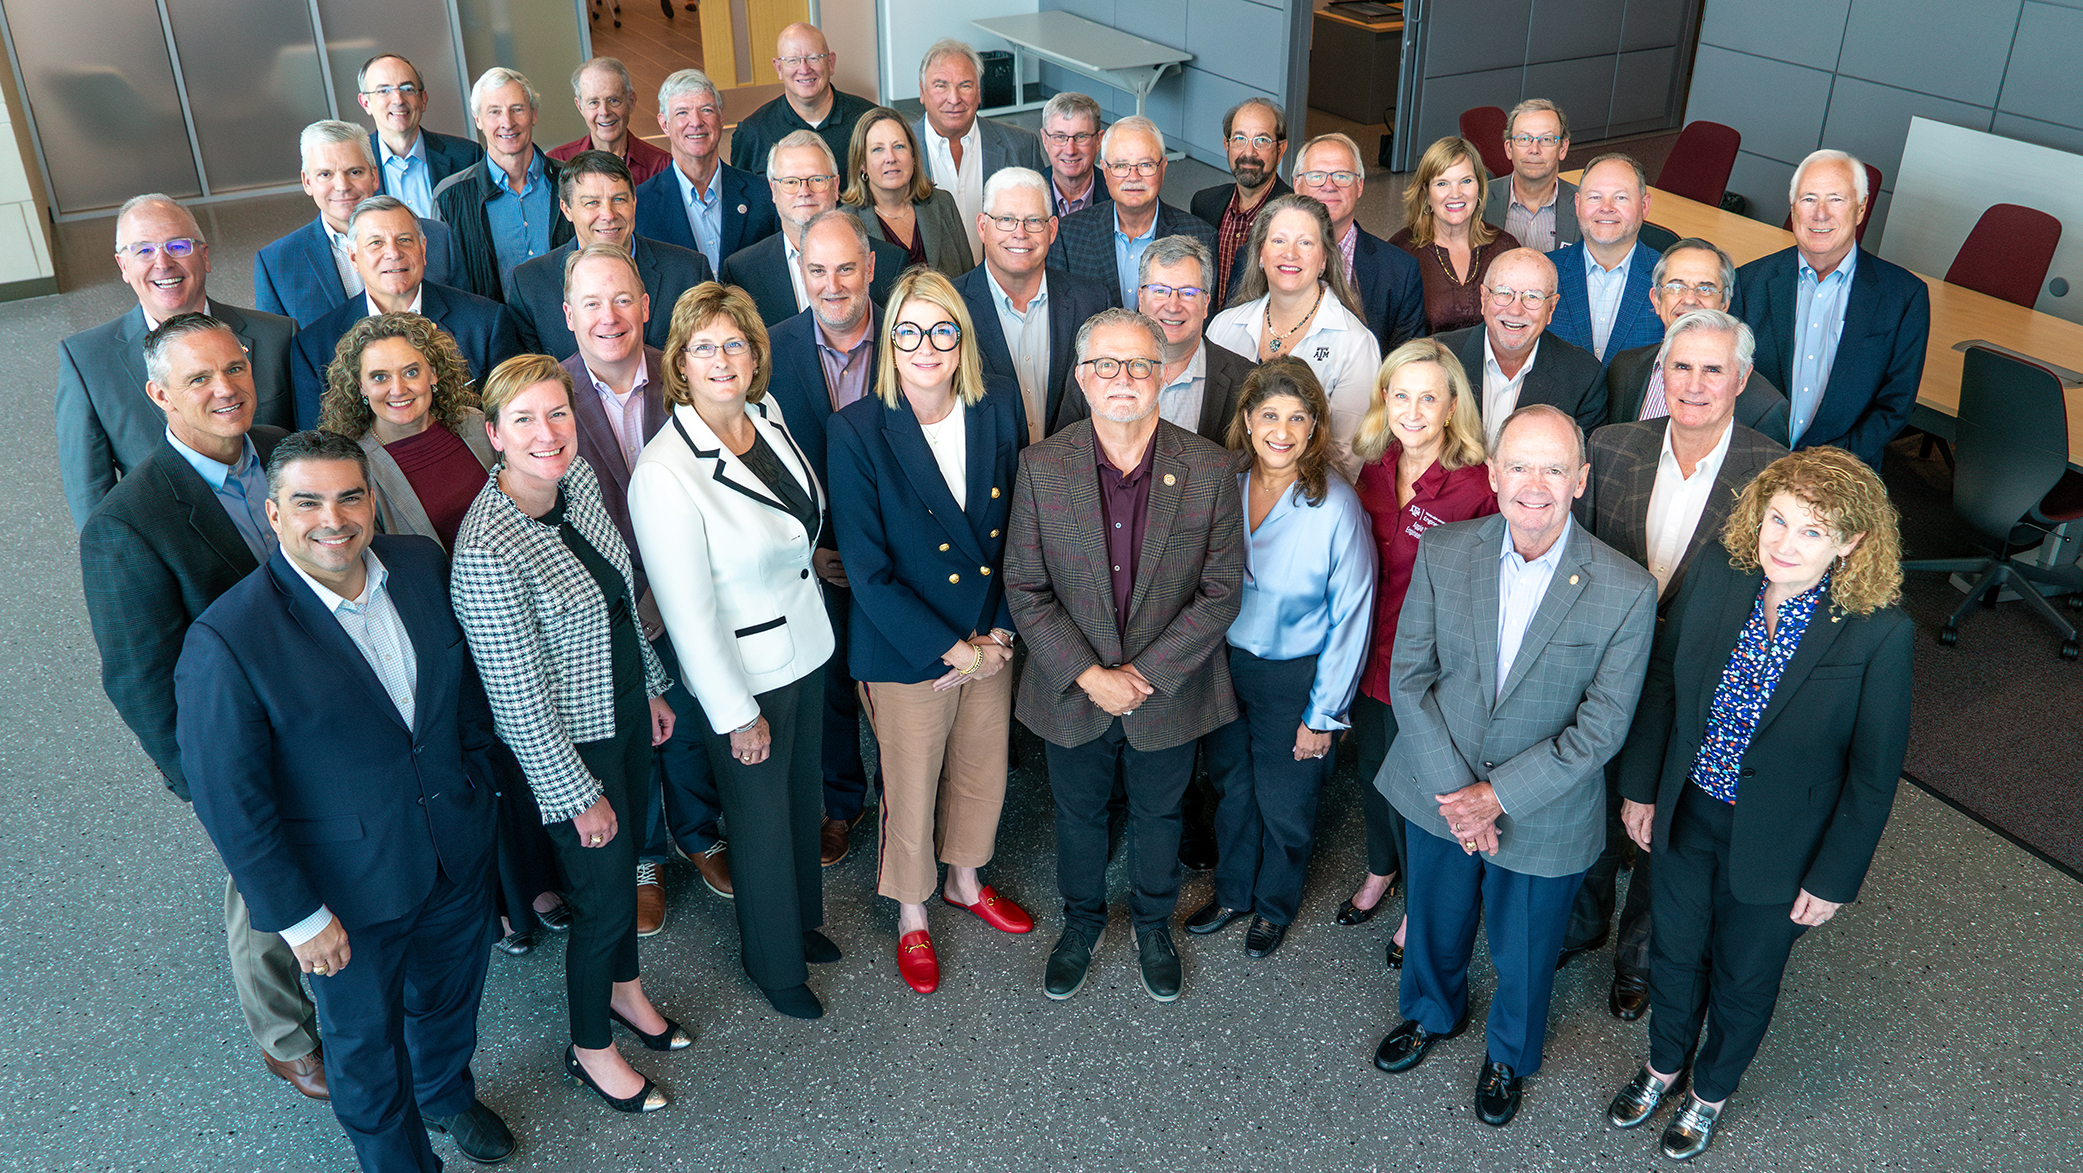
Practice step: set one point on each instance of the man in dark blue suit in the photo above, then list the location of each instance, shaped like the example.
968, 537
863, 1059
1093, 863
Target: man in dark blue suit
411, 160
1602, 281
1104, 244
1329, 170
1842, 331
805, 184
340, 659
308, 273
598, 198
701, 202
391, 256
1026, 315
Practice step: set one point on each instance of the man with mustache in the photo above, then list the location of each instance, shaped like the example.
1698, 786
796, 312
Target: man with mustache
606, 98
809, 101
1104, 244
804, 181
411, 159
1255, 134
1521, 361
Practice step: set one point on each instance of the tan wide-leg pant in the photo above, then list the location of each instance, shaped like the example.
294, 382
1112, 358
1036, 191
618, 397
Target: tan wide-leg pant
943, 778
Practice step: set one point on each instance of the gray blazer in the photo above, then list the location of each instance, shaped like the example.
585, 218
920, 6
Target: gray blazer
398, 509
947, 245
1541, 741
1005, 146
107, 425
1500, 198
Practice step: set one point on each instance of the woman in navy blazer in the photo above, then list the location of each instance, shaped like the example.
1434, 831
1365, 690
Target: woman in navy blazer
1762, 764
922, 483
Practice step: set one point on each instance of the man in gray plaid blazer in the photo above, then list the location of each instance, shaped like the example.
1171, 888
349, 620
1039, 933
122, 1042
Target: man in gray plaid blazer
1519, 657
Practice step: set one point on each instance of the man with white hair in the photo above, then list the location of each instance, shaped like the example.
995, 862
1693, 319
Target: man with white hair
963, 151
309, 273
504, 210
701, 202
606, 98
804, 181
1104, 245
805, 63
411, 159
1514, 360
1693, 274
1840, 329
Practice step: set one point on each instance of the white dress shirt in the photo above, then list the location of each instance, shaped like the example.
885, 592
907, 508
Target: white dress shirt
1675, 505
1520, 587
949, 440
965, 183
418, 297
350, 277
1604, 287
1501, 395
795, 272
1339, 347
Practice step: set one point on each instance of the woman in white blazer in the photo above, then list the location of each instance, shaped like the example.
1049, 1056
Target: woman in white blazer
727, 513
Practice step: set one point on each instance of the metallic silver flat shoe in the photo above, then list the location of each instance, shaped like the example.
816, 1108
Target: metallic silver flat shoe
1640, 1099
1690, 1131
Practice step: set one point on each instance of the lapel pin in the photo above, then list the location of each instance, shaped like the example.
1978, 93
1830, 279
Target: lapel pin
1170, 480
1836, 618
741, 209
994, 491
1573, 580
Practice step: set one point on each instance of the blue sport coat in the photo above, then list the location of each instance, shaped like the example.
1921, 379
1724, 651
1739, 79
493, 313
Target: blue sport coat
1085, 243
483, 329
1071, 301
295, 276
798, 383
537, 303
761, 270
748, 211
446, 155
923, 572
303, 771
1634, 324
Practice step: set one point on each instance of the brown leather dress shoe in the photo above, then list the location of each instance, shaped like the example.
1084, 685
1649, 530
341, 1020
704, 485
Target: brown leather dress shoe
307, 1074
714, 866
650, 901
832, 844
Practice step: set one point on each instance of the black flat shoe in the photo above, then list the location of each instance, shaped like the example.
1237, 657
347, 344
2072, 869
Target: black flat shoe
818, 948
1395, 957
673, 1038
557, 919
1409, 1043
515, 944
1197, 853
1212, 917
478, 1131
648, 1098
1575, 951
1263, 937
1497, 1094
796, 1002
1352, 914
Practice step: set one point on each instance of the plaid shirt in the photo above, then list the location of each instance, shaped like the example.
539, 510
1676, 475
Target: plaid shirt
1231, 235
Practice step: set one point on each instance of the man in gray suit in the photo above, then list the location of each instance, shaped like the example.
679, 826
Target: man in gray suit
106, 425
963, 151
1519, 657
1660, 489
1534, 203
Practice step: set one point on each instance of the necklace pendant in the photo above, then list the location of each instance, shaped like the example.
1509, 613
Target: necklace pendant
1276, 346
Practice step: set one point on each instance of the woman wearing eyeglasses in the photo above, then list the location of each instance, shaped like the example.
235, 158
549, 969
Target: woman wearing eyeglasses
890, 191
922, 480
727, 512
1292, 301
1444, 230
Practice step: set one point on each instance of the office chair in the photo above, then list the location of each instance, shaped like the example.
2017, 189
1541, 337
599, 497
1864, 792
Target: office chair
1484, 126
1873, 178
2012, 483
1700, 161
2008, 253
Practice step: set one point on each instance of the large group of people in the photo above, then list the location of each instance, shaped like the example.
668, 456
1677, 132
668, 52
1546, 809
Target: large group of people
561, 513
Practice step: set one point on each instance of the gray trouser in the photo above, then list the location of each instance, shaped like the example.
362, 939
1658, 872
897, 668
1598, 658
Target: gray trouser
270, 984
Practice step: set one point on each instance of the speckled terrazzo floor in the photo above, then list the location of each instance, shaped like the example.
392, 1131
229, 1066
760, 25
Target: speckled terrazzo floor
1933, 1027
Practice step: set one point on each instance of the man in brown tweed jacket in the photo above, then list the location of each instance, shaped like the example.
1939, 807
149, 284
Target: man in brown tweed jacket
1123, 566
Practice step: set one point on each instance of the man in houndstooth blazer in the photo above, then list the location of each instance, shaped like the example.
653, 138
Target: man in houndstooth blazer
1519, 657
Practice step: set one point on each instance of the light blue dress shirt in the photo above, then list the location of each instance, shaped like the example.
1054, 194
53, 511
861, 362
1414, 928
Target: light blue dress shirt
1521, 585
520, 220
1605, 290
1309, 576
1027, 343
409, 177
240, 489
1128, 256
1818, 325
704, 215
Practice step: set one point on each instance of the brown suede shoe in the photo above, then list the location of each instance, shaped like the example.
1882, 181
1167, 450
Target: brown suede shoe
714, 866
307, 1074
832, 841
650, 901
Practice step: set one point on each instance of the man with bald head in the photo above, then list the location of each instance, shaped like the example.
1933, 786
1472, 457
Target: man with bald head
1104, 244
962, 150
1329, 170
1604, 278
411, 159
1692, 274
106, 424
809, 101
606, 98
1521, 361
1520, 653
804, 180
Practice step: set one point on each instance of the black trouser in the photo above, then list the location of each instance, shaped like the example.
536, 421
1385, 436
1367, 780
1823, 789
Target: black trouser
1711, 950
845, 777
1266, 824
602, 895
774, 810
1374, 724
1594, 908
1082, 778
681, 774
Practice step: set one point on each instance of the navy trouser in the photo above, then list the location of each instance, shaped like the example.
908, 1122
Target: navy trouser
1266, 823
680, 774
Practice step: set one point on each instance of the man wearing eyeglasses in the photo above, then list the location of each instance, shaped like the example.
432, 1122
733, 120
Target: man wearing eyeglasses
805, 182
411, 160
606, 98
1521, 360
964, 151
1604, 278
106, 424
701, 202
1070, 128
1329, 170
1255, 134
1104, 245
1537, 207
504, 210
1692, 274
809, 101
1124, 604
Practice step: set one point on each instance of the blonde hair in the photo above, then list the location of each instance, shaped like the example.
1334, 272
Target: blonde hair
697, 308
344, 409
1848, 497
1440, 158
1463, 444
856, 194
931, 287
516, 375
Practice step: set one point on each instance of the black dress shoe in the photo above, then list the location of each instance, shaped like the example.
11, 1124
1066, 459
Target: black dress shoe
1409, 1043
1159, 960
1691, 1130
1197, 852
1640, 1099
478, 1131
557, 919
795, 1001
673, 1038
1070, 961
1213, 917
1395, 957
818, 948
515, 944
648, 1098
1497, 1094
1629, 997
1263, 937
1575, 951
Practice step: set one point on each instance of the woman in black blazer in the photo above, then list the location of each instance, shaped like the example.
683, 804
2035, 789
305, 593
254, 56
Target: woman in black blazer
922, 482
1762, 764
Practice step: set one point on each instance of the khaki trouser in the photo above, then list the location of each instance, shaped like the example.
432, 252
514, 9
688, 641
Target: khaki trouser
270, 984
943, 778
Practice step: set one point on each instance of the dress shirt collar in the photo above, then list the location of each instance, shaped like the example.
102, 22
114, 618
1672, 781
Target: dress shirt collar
152, 323
1548, 561
1491, 368
1149, 233
1348, 247
374, 576
642, 380
530, 178
418, 151
209, 469
1196, 368
1709, 464
419, 297
1005, 302
1595, 271
692, 195
1845, 268
1554, 191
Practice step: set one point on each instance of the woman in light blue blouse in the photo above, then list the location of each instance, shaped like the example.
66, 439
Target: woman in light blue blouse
1295, 651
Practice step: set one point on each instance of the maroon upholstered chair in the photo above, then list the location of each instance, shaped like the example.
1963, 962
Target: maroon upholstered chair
1873, 178
2008, 253
1700, 161
1484, 126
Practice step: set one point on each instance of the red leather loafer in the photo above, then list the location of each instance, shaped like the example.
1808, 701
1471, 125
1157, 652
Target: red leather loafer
917, 961
996, 911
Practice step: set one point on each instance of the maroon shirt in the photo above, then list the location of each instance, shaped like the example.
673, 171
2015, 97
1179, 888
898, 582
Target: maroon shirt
915, 248
1451, 304
644, 160
1124, 509
444, 475
1440, 496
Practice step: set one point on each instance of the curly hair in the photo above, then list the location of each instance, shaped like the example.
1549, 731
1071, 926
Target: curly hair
1849, 498
1463, 445
695, 309
1290, 376
342, 408
1440, 158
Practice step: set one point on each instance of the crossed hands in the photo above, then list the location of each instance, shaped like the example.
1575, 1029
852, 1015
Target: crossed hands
1471, 814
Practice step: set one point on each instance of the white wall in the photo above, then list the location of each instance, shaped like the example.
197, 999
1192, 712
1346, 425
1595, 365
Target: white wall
849, 28
909, 26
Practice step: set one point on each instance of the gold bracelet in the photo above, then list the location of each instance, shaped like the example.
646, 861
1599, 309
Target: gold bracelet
973, 664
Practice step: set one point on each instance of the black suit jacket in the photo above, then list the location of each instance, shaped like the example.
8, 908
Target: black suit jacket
748, 211
1563, 376
798, 383
1071, 301
1819, 777
278, 707
156, 553
1759, 406
483, 329
1391, 290
1227, 371
446, 155
1210, 203
537, 303
1084, 245
761, 269
461, 200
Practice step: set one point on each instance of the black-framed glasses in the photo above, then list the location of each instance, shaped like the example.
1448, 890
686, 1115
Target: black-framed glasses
1256, 141
1333, 178
1107, 368
1530, 298
179, 248
944, 336
705, 351
404, 89
1057, 138
1122, 168
1035, 224
804, 59
1705, 289
1527, 140
793, 183
1185, 292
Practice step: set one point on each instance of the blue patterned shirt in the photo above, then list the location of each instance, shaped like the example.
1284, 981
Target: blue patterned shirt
1746, 688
